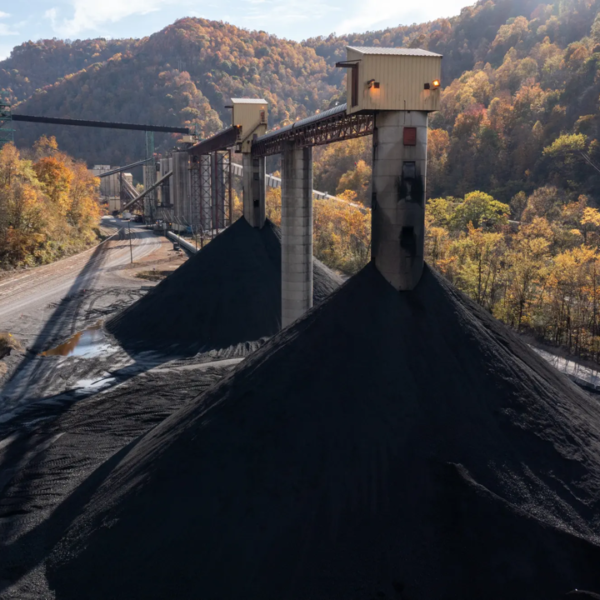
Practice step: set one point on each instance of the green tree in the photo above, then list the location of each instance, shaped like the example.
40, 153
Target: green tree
481, 210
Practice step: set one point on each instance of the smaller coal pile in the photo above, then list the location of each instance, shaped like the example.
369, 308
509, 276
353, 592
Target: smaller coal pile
227, 294
388, 445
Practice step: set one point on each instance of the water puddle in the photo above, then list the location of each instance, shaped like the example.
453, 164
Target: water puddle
88, 343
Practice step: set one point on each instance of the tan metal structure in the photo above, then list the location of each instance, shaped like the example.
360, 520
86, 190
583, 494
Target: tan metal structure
390, 93
251, 115
392, 79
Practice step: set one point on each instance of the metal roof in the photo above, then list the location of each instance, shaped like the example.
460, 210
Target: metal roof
393, 51
249, 100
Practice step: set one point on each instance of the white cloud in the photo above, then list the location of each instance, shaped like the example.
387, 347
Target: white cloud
377, 14
91, 15
278, 12
4, 28
51, 15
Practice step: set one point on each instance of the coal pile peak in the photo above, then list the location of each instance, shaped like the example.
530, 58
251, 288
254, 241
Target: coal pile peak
388, 445
226, 294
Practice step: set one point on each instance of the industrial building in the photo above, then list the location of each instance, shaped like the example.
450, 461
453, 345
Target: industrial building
390, 92
115, 188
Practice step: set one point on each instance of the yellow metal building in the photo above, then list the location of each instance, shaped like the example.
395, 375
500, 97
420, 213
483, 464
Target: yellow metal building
251, 115
392, 79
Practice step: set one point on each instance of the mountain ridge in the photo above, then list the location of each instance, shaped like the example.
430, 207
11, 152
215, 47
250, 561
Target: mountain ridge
516, 75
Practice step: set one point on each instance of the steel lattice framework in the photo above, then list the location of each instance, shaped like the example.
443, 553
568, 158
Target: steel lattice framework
211, 192
205, 182
222, 190
331, 126
195, 194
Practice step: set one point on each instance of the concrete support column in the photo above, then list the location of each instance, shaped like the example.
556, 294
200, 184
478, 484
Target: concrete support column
296, 233
254, 182
399, 175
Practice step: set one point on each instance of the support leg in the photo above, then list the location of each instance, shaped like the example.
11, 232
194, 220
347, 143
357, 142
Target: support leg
254, 190
398, 216
296, 234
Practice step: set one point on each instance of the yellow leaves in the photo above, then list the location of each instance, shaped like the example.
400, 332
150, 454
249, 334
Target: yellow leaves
273, 205
46, 146
55, 177
46, 209
566, 145
591, 216
544, 277
348, 160
356, 180
342, 234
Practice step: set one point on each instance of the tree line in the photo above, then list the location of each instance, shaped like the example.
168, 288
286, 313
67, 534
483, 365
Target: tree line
48, 205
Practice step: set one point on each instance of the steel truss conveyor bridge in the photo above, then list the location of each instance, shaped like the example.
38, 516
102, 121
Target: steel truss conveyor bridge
207, 206
390, 93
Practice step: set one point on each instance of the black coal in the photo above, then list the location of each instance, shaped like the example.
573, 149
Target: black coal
388, 445
228, 293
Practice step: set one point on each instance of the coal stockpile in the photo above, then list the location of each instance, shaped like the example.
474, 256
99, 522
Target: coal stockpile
228, 293
388, 445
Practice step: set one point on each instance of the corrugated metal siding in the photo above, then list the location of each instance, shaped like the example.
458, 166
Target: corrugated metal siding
401, 80
352, 54
247, 115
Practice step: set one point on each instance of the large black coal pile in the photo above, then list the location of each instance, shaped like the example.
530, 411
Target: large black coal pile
388, 445
228, 293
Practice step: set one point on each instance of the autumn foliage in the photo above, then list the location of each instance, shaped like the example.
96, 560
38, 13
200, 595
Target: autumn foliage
540, 275
48, 205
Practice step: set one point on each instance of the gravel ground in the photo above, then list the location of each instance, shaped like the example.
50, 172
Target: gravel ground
49, 449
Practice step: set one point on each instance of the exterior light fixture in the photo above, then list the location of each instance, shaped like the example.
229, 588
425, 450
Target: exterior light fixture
435, 84
372, 84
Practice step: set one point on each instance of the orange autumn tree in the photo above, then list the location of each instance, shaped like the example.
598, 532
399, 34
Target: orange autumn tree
48, 206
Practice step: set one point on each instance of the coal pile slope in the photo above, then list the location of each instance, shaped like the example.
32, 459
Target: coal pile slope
50, 448
388, 445
228, 293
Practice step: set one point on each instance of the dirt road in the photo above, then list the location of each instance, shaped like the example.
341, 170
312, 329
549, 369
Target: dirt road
37, 288
46, 305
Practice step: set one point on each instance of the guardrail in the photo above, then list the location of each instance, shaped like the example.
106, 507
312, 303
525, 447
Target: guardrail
275, 182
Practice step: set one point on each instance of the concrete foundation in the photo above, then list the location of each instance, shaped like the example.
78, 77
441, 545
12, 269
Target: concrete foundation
399, 175
296, 233
254, 189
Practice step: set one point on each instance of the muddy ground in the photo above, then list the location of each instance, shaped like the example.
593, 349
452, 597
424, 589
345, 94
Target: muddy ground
47, 306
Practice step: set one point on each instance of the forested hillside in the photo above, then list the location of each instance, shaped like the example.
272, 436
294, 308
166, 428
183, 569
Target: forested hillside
514, 157
34, 65
517, 76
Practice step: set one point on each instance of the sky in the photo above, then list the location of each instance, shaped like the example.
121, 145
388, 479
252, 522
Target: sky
293, 19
